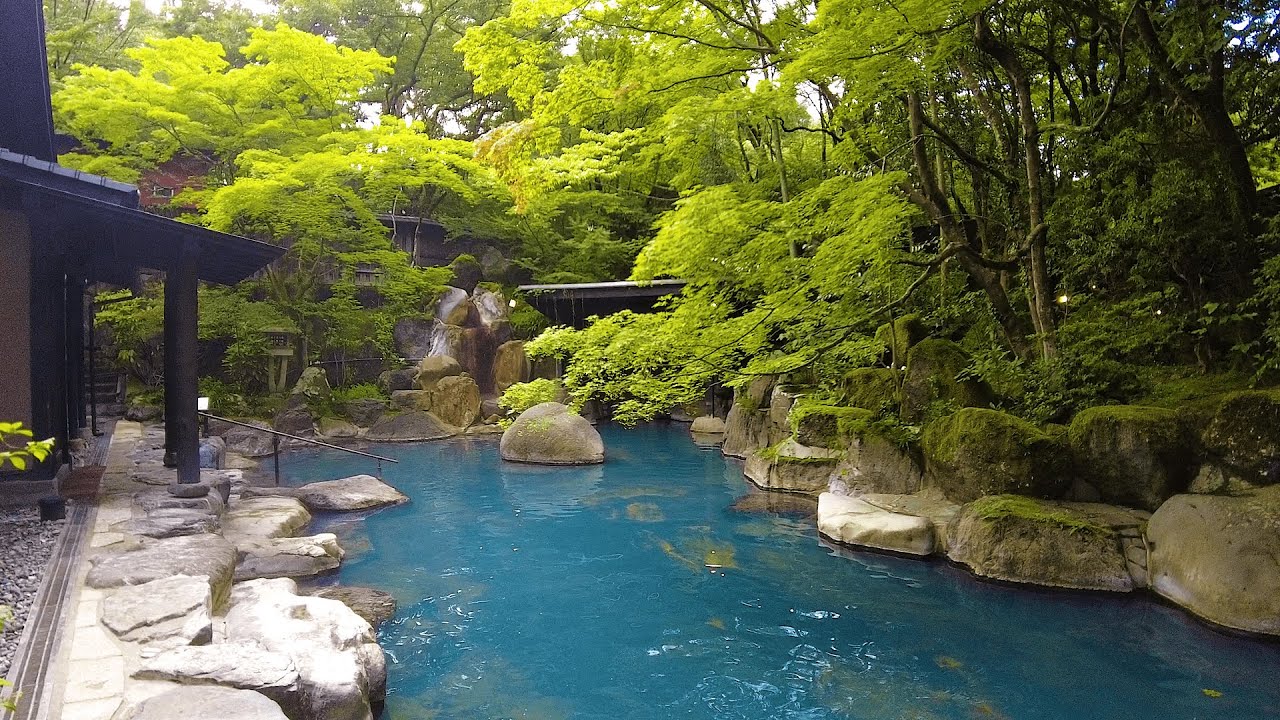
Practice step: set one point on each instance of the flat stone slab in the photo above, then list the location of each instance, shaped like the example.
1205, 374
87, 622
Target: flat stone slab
236, 665
207, 555
857, 522
173, 522
358, 492
287, 557
928, 503
375, 606
169, 612
265, 517
203, 703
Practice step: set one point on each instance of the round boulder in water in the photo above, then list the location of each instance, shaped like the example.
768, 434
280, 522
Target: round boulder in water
552, 434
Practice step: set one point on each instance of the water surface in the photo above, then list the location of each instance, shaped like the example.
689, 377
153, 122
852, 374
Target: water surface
647, 588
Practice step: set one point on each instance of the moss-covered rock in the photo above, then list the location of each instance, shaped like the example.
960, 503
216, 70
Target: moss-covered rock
552, 434
752, 423
791, 466
1132, 455
313, 386
976, 452
871, 463
899, 337
870, 388
1243, 436
930, 385
756, 394
1019, 539
818, 423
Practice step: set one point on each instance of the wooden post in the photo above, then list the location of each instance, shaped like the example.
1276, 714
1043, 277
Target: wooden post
181, 423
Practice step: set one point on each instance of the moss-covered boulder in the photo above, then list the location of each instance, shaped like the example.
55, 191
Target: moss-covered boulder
313, 386
1243, 436
905, 332
930, 384
1219, 557
1132, 455
411, 426
792, 467
753, 423
552, 434
870, 388
823, 424
433, 368
1023, 540
976, 452
872, 463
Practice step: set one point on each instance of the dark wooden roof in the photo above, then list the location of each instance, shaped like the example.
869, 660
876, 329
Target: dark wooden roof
101, 217
573, 303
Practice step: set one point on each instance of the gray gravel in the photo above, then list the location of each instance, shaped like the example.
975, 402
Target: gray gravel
25, 547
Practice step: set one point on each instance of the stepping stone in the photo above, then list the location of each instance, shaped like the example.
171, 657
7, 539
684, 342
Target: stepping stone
201, 703
287, 557
236, 665
194, 555
173, 522
165, 613
358, 492
265, 517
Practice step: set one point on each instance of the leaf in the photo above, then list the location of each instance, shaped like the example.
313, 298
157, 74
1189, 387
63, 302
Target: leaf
1211, 693
18, 461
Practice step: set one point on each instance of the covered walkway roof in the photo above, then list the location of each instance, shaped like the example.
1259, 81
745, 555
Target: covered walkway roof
571, 304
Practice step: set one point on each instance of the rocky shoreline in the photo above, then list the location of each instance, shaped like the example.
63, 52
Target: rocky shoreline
26, 545
1182, 503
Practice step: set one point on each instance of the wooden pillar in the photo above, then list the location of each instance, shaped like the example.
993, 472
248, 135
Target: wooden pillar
181, 426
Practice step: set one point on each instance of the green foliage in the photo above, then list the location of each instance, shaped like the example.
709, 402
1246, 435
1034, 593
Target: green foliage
19, 449
522, 396
362, 391
1001, 507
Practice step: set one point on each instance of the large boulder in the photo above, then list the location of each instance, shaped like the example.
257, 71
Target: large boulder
232, 665
1217, 556
707, 425
872, 463
295, 421
467, 272
900, 336
1131, 455
375, 606
434, 368
411, 399
510, 365
341, 668
164, 613
870, 388
856, 522
552, 434
758, 417
926, 504
195, 703
412, 426
365, 411
358, 492
454, 307
1024, 540
976, 452
196, 555
249, 442
456, 400
412, 337
930, 386
313, 386
1243, 436
402, 379
336, 428
791, 466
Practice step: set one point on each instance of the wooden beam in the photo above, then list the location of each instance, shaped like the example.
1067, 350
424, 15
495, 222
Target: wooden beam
181, 359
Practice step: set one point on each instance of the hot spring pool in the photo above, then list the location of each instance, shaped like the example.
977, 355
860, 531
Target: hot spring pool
636, 589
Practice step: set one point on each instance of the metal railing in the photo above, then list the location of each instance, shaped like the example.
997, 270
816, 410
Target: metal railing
275, 443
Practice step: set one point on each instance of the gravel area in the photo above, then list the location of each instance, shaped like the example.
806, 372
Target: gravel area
25, 547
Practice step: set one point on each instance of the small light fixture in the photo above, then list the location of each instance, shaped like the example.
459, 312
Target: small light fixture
202, 404
1064, 299
512, 303
1159, 312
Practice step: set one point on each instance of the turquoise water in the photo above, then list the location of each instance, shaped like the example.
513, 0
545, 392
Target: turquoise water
529, 592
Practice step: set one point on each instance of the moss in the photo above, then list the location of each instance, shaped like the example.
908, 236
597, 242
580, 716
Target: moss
871, 388
1244, 433
817, 423
976, 451
931, 388
1001, 507
905, 332
1158, 424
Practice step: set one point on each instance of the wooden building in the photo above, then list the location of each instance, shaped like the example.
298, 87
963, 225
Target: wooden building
62, 230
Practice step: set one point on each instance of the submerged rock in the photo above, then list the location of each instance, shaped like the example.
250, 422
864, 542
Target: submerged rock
1023, 540
857, 522
375, 606
551, 434
1219, 557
